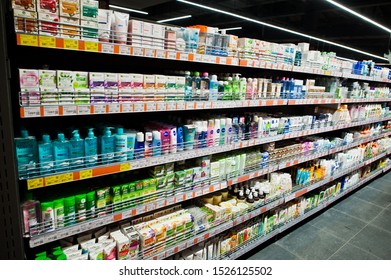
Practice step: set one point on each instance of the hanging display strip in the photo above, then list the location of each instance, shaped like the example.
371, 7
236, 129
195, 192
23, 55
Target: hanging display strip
90, 46
145, 208
139, 107
251, 244
39, 182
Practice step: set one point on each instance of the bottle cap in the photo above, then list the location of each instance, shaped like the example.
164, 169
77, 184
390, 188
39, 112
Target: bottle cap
156, 135
120, 131
217, 122
24, 133
187, 73
250, 198
211, 123
76, 135
222, 83
196, 74
241, 195
214, 78
228, 121
148, 136
229, 79
61, 137
255, 195
91, 133
46, 138
222, 122
140, 137
205, 74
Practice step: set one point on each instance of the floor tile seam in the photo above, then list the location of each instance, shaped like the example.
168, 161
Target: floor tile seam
370, 202
364, 250
376, 189
286, 249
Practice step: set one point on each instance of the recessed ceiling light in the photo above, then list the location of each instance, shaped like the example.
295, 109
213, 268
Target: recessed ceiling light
127, 9
172, 19
280, 28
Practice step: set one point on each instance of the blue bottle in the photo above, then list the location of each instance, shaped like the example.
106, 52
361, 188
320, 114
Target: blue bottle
107, 146
26, 153
179, 139
120, 145
140, 146
91, 148
235, 129
188, 86
61, 153
213, 88
156, 143
196, 86
76, 150
45, 153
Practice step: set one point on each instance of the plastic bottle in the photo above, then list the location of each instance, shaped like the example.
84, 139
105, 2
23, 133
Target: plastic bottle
91, 148
216, 138
180, 138
188, 86
235, 130
249, 89
254, 127
148, 144
228, 131
213, 88
204, 134
210, 132
30, 215
156, 144
81, 203
58, 206
107, 146
198, 136
26, 153
140, 146
222, 131
61, 153
242, 88
76, 150
220, 90
47, 216
204, 85
130, 143
90, 205
242, 130
236, 87
69, 210
196, 86
120, 145
45, 153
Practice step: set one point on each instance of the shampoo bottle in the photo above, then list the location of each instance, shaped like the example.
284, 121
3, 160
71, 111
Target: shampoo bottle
130, 143
156, 144
47, 216
91, 148
120, 145
107, 146
26, 152
61, 152
90, 205
31, 215
76, 150
140, 146
45, 153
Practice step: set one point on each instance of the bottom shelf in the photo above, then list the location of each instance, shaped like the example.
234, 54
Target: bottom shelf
253, 243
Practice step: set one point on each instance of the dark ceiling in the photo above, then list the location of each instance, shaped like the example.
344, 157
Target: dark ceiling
314, 17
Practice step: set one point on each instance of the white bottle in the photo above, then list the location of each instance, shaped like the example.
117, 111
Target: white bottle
148, 144
216, 138
223, 131
228, 131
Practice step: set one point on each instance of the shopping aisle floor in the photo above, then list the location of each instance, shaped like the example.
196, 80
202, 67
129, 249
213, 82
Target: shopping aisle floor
356, 228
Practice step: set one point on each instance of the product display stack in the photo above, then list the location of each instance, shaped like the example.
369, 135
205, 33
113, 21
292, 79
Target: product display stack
137, 140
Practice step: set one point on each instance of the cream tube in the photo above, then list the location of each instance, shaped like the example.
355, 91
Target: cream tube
104, 24
121, 21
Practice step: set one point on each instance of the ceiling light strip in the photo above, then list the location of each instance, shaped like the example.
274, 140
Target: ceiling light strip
127, 9
172, 19
280, 28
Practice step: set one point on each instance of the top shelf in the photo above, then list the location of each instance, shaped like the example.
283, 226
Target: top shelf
110, 48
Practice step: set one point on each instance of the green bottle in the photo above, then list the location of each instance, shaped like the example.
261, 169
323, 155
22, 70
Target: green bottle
90, 205
58, 205
69, 210
81, 201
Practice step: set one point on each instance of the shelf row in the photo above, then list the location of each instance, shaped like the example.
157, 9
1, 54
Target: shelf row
138, 107
109, 48
251, 244
160, 203
65, 177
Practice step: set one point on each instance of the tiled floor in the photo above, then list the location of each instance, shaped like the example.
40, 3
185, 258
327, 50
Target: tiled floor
357, 228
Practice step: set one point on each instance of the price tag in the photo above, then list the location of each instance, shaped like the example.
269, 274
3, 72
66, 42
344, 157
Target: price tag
65, 178
28, 40
51, 238
141, 209
85, 174
137, 51
160, 203
70, 44
151, 207
52, 180
161, 106
34, 183
32, 112
179, 198
69, 110
114, 108
183, 56
91, 46
197, 57
199, 105
124, 50
171, 106
171, 55
181, 106
50, 111
47, 42
198, 193
99, 109
205, 58
84, 109
124, 166
149, 53
107, 48
127, 107
170, 200
223, 60
139, 107
151, 106
160, 54
126, 214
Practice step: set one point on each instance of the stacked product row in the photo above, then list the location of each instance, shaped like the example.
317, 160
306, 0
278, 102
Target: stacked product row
59, 87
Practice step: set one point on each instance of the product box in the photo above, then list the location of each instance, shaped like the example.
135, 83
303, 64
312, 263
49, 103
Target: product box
89, 30
27, 5
89, 10
149, 83
138, 83
48, 24
64, 79
80, 80
124, 82
161, 81
170, 39
82, 96
96, 80
111, 81
48, 79
29, 78
66, 96
26, 21
135, 30
69, 27
30, 97
158, 31
147, 34
70, 8
245, 43
47, 6
49, 96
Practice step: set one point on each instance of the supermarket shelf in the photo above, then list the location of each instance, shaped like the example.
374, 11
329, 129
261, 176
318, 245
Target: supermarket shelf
109, 48
39, 182
138, 107
142, 209
260, 240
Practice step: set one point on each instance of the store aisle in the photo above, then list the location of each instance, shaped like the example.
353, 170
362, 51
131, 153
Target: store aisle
358, 227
